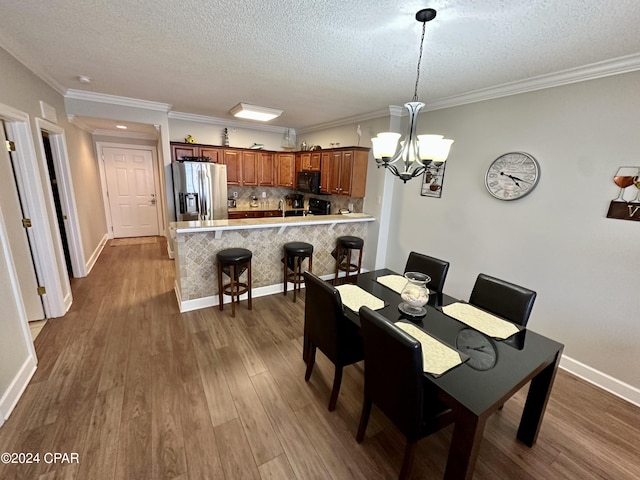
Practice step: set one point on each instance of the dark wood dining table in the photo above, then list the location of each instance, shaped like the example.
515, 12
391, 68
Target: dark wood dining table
475, 392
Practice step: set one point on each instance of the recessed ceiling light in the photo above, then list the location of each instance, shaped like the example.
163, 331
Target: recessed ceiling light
255, 112
84, 79
121, 127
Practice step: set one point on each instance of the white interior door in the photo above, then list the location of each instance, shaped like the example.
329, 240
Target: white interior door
131, 190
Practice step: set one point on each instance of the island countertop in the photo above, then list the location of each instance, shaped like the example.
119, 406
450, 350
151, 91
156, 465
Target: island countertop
267, 222
197, 243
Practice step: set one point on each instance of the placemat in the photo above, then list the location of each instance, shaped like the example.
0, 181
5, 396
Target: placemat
394, 282
482, 321
437, 358
353, 297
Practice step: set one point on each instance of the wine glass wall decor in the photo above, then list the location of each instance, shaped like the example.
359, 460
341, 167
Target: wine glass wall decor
626, 206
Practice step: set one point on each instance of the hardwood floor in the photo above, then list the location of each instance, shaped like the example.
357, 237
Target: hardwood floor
140, 391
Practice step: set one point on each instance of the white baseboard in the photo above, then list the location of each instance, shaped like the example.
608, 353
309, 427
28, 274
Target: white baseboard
17, 386
96, 253
212, 301
601, 380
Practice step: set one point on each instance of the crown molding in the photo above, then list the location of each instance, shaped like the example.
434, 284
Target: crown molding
594, 71
225, 122
617, 66
346, 121
116, 100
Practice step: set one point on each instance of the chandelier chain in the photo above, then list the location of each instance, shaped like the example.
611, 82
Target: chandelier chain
415, 91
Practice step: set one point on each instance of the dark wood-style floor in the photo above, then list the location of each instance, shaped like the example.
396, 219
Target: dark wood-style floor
140, 391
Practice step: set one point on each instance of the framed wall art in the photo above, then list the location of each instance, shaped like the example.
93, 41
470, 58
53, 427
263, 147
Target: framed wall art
432, 181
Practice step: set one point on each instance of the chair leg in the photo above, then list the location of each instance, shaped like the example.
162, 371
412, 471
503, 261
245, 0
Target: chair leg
232, 271
296, 271
311, 359
337, 380
407, 462
220, 287
364, 418
348, 265
248, 287
286, 273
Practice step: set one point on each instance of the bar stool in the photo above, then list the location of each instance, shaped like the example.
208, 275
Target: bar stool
294, 255
233, 262
342, 253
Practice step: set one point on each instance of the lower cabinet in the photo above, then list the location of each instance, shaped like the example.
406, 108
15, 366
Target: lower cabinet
254, 214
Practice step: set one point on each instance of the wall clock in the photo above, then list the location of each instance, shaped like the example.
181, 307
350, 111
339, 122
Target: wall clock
512, 176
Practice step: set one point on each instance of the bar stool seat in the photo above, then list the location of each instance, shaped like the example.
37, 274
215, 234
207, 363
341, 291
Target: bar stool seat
234, 262
342, 253
294, 255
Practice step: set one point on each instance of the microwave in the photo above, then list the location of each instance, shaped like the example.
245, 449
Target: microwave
309, 182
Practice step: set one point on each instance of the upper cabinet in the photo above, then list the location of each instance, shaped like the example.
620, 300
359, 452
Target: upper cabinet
285, 169
181, 150
233, 160
344, 172
309, 161
266, 172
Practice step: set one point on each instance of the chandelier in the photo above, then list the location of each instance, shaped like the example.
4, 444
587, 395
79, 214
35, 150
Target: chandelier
416, 153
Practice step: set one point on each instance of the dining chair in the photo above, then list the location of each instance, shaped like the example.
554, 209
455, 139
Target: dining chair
436, 269
394, 381
504, 299
327, 329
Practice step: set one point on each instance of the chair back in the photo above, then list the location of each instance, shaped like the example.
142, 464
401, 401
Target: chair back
436, 269
393, 375
507, 300
324, 318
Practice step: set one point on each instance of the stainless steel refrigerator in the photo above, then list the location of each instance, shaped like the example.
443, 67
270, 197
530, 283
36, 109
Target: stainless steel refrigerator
200, 191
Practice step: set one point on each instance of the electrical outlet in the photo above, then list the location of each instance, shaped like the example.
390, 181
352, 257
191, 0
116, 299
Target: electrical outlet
351, 207
235, 194
264, 194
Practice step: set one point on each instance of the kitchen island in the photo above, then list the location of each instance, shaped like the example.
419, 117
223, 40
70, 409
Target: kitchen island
196, 244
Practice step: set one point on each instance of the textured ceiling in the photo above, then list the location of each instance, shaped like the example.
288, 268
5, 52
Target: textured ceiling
320, 61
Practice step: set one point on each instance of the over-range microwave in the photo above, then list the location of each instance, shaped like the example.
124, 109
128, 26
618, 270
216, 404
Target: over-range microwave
309, 182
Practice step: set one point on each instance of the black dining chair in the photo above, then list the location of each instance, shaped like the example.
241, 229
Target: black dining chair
436, 269
394, 381
507, 300
326, 328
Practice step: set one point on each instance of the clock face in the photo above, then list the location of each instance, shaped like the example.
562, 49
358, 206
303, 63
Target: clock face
512, 176
481, 351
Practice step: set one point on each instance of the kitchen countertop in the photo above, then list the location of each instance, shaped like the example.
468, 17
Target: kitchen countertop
268, 222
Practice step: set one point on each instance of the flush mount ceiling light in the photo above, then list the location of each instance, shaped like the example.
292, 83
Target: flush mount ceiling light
416, 153
121, 127
254, 112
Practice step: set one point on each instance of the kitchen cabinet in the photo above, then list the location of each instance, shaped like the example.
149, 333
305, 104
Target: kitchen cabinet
233, 160
250, 168
181, 150
285, 170
325, 170
309, 161
266, 175
254, 214
347, 172
214, 154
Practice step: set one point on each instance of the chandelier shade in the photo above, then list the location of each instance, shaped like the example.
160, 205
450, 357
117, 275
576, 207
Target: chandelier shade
414, 154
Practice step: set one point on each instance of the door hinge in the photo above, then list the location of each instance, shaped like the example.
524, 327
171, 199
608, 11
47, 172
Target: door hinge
26, 222
11, 146
42, 291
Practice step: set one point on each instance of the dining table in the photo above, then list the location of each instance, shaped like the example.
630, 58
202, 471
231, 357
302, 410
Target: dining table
492, 370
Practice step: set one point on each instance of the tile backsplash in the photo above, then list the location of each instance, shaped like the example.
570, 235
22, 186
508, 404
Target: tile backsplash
274, 194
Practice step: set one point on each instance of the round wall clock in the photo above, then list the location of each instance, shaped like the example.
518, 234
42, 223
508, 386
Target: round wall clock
512, 176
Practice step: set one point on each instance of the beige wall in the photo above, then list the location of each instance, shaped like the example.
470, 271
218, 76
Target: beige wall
557, 240
22, 90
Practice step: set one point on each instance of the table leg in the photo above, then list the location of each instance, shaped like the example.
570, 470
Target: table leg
465, 445
537, 398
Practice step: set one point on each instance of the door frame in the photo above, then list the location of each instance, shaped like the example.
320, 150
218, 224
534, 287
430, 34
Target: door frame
45, 256
58, 142
156, 182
